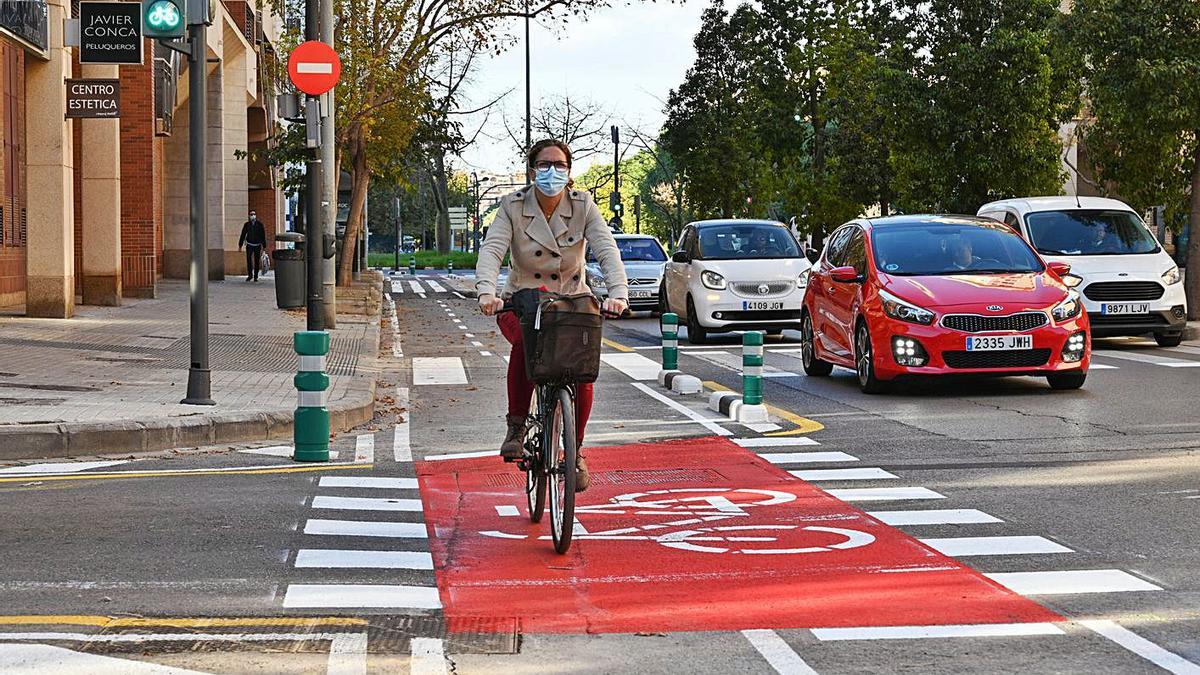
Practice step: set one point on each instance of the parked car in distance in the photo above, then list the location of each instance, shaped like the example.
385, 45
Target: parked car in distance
936, 295
735, 275
1130, 285
644, 258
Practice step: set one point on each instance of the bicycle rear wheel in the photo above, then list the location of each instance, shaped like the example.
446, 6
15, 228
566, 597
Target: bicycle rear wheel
535, 466
559, 447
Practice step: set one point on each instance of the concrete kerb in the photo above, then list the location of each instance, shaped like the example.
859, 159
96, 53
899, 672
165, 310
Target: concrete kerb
43, 441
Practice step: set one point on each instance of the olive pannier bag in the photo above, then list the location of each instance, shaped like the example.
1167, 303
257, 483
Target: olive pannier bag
562, 339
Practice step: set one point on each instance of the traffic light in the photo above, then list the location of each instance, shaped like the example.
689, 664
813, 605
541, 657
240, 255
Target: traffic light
164, 19
618, 209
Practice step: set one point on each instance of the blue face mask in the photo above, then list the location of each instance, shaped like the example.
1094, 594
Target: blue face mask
551, 180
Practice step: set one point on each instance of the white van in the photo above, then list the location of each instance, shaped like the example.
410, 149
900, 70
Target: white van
1130, 285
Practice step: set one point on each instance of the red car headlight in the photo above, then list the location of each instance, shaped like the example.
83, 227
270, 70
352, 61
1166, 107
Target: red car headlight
904, 311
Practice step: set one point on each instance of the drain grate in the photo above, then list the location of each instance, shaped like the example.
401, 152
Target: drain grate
658, 477
510, 479
260, 354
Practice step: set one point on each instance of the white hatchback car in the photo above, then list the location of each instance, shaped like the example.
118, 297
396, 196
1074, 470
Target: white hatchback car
1130, 285
735, 275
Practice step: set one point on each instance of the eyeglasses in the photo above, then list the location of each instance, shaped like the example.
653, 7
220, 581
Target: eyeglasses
542, 166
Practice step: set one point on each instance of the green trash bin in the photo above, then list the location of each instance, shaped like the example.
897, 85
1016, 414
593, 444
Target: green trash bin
290, 277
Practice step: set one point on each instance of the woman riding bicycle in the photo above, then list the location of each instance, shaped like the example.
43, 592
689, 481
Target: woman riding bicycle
547, 228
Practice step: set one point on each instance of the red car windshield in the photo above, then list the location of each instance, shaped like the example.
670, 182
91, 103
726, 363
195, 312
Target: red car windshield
929, 249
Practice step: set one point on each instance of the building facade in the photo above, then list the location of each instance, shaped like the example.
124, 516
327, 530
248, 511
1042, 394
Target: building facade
97, 210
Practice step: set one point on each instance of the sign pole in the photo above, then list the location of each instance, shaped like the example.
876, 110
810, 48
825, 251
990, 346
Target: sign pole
199, 387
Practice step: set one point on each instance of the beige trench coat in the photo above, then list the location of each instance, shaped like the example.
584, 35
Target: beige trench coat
549, 253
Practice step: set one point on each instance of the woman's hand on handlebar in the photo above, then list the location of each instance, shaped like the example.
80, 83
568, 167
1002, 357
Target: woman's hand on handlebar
614, 308
490, 304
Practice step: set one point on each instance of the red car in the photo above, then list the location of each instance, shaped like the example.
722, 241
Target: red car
935, 295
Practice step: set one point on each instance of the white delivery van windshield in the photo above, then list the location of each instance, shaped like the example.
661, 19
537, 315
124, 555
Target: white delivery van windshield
1089, 232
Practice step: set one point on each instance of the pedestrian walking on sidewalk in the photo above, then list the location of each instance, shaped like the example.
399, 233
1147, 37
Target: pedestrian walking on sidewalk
254, 236
548, 228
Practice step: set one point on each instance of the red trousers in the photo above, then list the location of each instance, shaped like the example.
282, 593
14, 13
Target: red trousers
520, 388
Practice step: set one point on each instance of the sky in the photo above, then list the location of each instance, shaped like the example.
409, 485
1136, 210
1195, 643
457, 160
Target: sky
626, 58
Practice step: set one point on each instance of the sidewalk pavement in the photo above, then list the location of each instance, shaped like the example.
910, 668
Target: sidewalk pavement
110, 379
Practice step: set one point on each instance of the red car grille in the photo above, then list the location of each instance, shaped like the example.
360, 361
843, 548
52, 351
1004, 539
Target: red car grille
1017, 358
974, 323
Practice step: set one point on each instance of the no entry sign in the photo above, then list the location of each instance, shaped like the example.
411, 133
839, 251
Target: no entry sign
690, 535
314, 67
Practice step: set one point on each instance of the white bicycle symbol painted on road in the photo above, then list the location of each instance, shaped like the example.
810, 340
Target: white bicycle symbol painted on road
694, 533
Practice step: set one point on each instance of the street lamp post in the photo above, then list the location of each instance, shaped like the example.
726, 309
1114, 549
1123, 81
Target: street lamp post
399, 234
475, 222
528, 125
199, 384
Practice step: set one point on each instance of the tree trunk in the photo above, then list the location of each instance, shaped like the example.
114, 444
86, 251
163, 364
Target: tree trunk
360, 183
1191, 280
441, 191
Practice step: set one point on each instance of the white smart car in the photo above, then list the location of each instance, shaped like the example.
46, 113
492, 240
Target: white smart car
735, 275
1130, 285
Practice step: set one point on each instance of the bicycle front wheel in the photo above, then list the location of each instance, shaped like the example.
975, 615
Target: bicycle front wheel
535, 466
559, 448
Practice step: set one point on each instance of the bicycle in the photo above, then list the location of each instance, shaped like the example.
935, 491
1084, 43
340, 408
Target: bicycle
551, 452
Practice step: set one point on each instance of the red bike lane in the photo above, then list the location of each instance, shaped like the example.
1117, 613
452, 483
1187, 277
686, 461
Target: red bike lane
689, 535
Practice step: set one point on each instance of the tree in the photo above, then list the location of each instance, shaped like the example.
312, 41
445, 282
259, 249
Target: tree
1142, 74
710, 130
979, 118
385, 46
580, 123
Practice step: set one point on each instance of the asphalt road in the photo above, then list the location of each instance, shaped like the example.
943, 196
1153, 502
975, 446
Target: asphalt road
1081, 504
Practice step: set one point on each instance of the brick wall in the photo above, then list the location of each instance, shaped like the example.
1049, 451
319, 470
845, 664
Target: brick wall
141, 181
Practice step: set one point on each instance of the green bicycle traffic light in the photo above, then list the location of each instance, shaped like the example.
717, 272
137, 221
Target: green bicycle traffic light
163, 18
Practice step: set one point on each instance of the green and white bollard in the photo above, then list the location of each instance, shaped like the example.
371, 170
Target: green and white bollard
670, 376
310, 432
670, 341
752, 368
449, 267
412, 266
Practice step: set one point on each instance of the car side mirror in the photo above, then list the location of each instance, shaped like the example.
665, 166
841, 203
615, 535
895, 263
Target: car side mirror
845, 275
680, 257
1059, 268
813, 255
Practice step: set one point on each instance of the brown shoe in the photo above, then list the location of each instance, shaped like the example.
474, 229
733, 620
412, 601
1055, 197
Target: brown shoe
512, 449
582, 478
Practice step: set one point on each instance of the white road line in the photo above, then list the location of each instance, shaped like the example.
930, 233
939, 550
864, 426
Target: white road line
438, 370
397, 286
462, 455
364, 449
401, 447
67, 467
634, 365
1183, 349
31, 658
1101, 366
884, 494
347, 655
416, 287
1063, 582
864, 473
1009, 545
1168, 661
782, 657
333, 596
428, 657
687, 412
461, 327
437, 288
457, 320
934, 517
781, 442
343, 559
920, 632
366, 528
368, 482
459, 295
484, 353
366, 504
507, 510
806, 457
761, 427
1148, 358
476, 343
468, 335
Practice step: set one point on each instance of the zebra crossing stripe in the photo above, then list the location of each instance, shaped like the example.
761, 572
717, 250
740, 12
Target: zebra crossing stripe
334, 596
348, 559
365, 528
366, 504
373, 482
